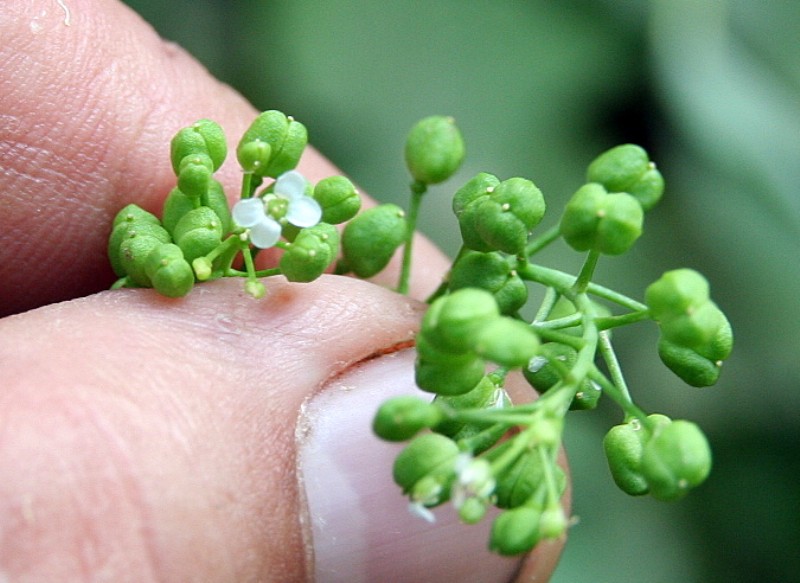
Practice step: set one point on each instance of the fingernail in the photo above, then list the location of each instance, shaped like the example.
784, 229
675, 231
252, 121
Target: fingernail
360, 527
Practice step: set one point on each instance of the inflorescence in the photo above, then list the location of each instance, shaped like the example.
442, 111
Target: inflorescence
469, 444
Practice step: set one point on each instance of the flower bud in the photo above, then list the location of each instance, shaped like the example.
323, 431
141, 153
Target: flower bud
627, 168
515, 531
452, 322
520, 480
695, 329
427, 454
177, 204
596, 220
401, 418
254, 156
434, 149
130, 220
198, 232
203, 137
195, 175
675, 293
553, 523
691, 367
507, 342
371, 238
505, 218
311, 252
483, 395
492, 272
288, 155
338, 198
540, 373
270, 127
134, 249
170, 274
449, 379
675, 460
623, 445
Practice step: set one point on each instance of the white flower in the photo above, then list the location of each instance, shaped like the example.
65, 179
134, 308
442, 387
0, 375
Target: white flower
265, 229
474, 479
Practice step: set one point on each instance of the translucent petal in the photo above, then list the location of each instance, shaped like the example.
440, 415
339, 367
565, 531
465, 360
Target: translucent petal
291, 185
304, 212
248, 212
265, 233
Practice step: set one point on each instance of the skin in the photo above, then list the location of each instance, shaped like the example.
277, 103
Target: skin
128, 450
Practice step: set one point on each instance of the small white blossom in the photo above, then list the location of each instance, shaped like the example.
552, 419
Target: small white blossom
265, 229
474, 479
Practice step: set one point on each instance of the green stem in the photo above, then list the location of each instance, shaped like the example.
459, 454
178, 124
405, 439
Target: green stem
606, 350
417, 191
587, 271
563, 282
258, 273
630, 409
549, 300
247, 189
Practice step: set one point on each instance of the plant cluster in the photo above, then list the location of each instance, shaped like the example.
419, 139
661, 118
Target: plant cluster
468, 444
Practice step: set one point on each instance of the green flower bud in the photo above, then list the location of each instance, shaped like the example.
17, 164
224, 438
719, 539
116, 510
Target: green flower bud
255, 289
587, 397
676, 293
691, 367
133, 213
135, 248
203, 137
426, 455
449, 379
596, 220
519, 482
195, 175
453, 322
675, 460
627, 168
310, 254
623, 446
507, 342
130, 220
473, 510
696, 329
254, 156
484, 394
285, 141
371, 238
540, 373
515, 531
288, 155
338, 198
720, 346
170, 274
495, 274
178, 204
553, 523
434, 149
505, 218
481, 185
198, 232
401, 418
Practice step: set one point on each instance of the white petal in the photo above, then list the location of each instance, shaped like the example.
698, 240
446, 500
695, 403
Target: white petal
417, 509
265, 233
304, 212
291, 185
248, 212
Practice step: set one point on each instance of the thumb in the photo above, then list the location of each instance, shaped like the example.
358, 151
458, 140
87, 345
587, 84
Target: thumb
155, 439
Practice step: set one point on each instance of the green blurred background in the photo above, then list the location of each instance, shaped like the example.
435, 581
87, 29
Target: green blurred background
712, 89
